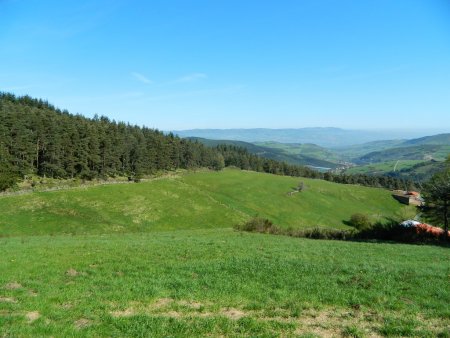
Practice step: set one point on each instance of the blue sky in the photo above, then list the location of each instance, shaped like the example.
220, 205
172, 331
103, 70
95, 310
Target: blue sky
234, 63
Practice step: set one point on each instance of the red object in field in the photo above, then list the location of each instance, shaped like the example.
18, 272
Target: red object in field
426, 228
413, 193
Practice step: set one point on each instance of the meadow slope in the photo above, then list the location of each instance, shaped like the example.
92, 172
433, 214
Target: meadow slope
219, 282
159, 259
193, 200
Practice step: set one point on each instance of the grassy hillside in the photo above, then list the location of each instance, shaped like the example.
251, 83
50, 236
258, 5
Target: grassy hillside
192, 200
159, 259
420, 152
415, 170
277, 151
440, 139
305, 149
219, 283
358, 150
322, 203
382, 167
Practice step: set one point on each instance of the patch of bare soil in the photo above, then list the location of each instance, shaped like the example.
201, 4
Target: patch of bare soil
232, 313
32, 316
13, 286
82, 323
125, 313
162, 302
191, 304
8, 300
331, 323
32, 293
72, 272
320, 332
66, 306
173, 314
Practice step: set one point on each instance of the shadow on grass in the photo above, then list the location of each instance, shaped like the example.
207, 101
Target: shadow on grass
388, 230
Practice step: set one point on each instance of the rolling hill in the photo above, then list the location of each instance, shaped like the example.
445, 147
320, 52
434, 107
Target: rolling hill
191, 201
440, 139
159, 259
310, 155
431, 144
419, 171
304, 149
419, 152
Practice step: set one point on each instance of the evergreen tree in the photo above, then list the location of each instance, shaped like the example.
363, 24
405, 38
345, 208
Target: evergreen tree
437, 198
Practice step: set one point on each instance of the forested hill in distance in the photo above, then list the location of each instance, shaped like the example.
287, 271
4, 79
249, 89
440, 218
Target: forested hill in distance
37, 138
436, 147
277, 153
324, 137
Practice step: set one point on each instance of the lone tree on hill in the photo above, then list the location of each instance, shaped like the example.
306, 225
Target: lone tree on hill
437, 197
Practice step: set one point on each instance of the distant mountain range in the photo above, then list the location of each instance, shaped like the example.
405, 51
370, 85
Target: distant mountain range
422, 155
324, 137
436, 147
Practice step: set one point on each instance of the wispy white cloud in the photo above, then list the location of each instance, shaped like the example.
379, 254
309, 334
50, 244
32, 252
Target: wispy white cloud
195, 93
191, 78
142, 78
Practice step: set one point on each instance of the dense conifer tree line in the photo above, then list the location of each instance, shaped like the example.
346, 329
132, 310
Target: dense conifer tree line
37, 138
371, 181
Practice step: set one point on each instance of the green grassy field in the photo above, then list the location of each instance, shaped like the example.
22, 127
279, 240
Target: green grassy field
159, 258
219, 282
193, 200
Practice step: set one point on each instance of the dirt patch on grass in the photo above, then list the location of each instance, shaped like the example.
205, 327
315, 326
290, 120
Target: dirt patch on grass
125, 313
32, 316
190, 304
162, 302
232, 313
82, 323
32, 293
333, 323
8, 300
72, 272
327, 322
173, 314
13, 286
168, 307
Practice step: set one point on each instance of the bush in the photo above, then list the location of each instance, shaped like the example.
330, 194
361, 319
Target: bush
360, 221
389, 230
7, 181
324, 233
259, 224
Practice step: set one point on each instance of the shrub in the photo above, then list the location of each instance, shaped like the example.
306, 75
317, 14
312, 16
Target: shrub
7, 181
324, 233
360, 221
259, 224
